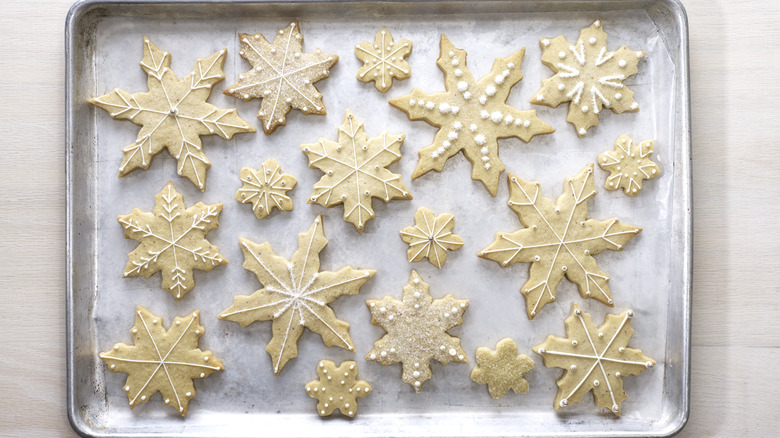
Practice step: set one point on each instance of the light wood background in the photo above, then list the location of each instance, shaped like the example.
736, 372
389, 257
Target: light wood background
735, 72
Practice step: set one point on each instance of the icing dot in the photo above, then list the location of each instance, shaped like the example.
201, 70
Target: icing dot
421, 102
444, 108
127, 388
509, 119
622, 63
452, 135
473, 127
484, 114
372, 356
202, 375
634, 106
496, 116
484, 149
617, 374
455, 62
545, 42
561, 87
539, 98
412, 102
649, 364
639, 54
537, 258
622, 349
453, 352
112, 366
442, 348
490, 90
417, 383
499, 79
573, 367
563, 403
601, 335
542, 351
430, 105
463, 86
526, 123
483, 99
561, 54
416, 374
467, 95
585, 108
577, 312
574, 343
188, 394
143, 397
618, 96
592, 40
582, 131
417, 364
451, 53
458, 72
595, 383
457, 126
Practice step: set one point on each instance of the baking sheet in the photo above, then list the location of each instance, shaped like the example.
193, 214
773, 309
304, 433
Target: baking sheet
651, 275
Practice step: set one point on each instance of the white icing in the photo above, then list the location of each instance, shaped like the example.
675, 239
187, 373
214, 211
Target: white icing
463, 86
490, 90
496, 116
483, 99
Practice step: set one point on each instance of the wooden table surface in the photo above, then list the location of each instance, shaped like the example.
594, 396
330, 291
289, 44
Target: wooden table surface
735, 71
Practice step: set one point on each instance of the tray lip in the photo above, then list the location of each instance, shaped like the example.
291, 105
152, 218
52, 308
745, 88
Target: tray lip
81, 8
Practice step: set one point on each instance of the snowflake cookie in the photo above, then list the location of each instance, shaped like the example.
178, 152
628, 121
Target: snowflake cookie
471, 115
281, 75
594, 358
296, 295
502, 369
628, 165
173, 114
559, 240
587, 76
355, 170
417, 331
172, 241
383, 60
431, 236
337, 388
162, 360
266, 188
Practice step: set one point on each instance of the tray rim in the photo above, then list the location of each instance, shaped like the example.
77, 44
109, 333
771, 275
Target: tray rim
81, 8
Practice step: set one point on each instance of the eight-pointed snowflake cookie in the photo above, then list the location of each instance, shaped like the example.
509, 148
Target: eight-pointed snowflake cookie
281, 75
594, 359
628, 165
587, 76
296, 295
337, 388
172, 241
502, 369
173, 114
471, 115
417, 331
355, 170
266, 188
162, 360
383, 60
558, 240
431, 236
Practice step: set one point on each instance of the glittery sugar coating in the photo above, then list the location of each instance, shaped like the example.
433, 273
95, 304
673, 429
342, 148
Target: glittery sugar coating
162, 360
337, 388
502, 369
282, 75
594, 359
417, 331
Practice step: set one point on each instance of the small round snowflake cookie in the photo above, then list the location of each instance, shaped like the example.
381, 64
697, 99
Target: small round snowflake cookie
502, 369
628, 165
337, 388
266, 188
383, 60
587, 76
431, 236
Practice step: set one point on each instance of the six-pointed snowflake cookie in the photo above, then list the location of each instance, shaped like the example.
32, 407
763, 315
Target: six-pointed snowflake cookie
594, 359
502, 369
628, 165
559, 240
296, 295
471, 115
337, 388
355, 170
162, 360
266, 188
587, 76
282, 75
383, 60
431, 236
417, 331
173, 114
172, 240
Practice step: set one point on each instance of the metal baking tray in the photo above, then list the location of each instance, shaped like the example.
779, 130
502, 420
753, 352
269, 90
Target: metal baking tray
652, 276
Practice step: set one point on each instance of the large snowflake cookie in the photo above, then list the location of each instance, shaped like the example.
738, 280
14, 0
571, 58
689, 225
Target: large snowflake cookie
355, 170
162, 360
296, 295
588, 76
594, 359
172, 240
431, 236
417, 331
337, 388
559, 240
266, 188
282, 75
383, 60
628, 164
471, 115
502, 369
173, 114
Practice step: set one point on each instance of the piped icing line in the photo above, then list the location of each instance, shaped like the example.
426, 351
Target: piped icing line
629, 164
430, 237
